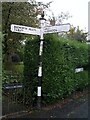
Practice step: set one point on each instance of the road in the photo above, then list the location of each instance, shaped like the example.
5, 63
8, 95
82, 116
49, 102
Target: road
74, 109
76, 106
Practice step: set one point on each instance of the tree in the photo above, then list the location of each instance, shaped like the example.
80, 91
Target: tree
23, 13
60, 18
52, 18
77, 34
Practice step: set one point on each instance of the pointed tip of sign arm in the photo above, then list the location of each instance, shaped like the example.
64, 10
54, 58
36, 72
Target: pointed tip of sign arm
12, 27
69, 26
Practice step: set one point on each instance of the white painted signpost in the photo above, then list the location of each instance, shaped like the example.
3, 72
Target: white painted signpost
25, 29
57, 29
36, 31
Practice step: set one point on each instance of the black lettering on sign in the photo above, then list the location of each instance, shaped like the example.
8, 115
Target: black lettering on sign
25, 28
19, 29
16, 28
53, 30
31, 29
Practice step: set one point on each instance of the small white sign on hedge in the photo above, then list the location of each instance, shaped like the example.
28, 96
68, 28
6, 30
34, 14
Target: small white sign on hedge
78, 70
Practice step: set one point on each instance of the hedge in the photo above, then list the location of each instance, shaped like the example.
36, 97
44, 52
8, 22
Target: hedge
30, 70
60, 59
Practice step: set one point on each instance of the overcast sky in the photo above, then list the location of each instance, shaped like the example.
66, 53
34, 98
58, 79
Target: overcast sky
78, 9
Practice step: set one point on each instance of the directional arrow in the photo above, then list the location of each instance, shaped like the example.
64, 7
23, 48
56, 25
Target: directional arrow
37, 31
25, 29
56, 29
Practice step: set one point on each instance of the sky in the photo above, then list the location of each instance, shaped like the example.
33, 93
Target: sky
78, 9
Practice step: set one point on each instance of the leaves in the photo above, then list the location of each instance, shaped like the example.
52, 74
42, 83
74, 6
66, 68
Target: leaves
60, 58
22, 13
77, 34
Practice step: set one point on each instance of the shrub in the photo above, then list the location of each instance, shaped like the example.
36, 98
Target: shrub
30, 70
60, 59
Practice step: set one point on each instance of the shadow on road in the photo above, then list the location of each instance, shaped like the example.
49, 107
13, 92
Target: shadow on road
75, 106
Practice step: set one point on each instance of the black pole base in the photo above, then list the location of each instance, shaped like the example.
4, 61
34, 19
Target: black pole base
39, 103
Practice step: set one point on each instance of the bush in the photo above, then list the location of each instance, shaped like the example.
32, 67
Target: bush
60, 59
30, 70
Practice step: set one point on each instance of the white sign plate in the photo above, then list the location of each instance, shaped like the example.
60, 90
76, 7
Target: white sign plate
56, 29
78, 70
25, 29
11, 87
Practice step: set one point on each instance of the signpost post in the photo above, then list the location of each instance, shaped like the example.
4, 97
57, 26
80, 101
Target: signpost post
42, 25
36, 31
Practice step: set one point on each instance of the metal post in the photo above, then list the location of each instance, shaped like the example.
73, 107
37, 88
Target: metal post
42, 24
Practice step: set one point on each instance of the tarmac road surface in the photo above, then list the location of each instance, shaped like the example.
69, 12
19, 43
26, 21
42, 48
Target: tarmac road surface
77, 107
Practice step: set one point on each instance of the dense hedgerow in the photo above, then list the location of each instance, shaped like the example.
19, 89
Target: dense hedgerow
60, 59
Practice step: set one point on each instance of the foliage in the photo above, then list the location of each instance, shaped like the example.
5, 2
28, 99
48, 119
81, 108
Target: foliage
62, 17
30, 73
9, 77
60, 59
1, 37
77, 34
23, 13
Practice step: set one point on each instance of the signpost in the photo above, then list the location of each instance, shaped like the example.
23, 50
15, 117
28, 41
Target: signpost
57, 29
35, 31
78, 70
13, 86
25, 29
